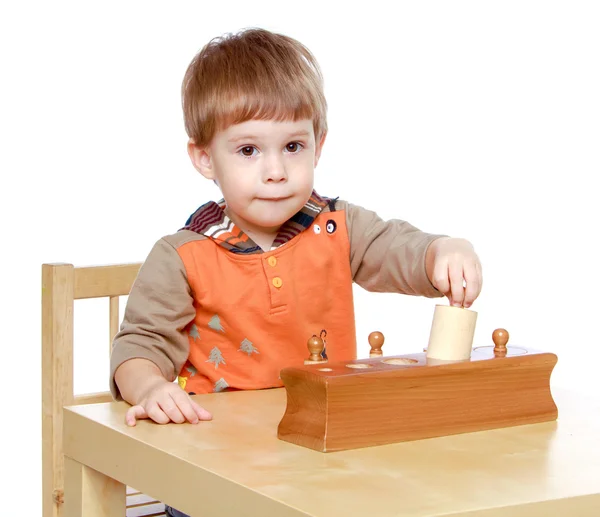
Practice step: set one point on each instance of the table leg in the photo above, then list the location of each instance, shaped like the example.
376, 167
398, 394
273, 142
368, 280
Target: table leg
89, 493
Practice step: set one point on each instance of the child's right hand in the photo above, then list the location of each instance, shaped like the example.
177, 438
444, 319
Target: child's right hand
166, 402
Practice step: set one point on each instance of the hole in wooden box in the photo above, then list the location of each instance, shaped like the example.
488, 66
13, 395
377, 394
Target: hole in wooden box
399, 360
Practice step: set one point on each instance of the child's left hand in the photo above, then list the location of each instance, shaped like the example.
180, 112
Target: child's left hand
454, 269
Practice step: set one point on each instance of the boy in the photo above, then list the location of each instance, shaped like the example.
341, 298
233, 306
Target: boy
232, 298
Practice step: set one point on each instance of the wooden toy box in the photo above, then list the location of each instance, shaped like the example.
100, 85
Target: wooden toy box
380, 400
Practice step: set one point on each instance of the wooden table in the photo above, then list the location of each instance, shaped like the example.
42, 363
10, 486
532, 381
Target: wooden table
235, 466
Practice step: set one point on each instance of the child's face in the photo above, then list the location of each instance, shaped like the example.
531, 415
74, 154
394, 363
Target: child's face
264, 168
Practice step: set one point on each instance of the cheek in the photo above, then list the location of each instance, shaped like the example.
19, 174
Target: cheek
238, 186
231, 174
306, 173
304, 167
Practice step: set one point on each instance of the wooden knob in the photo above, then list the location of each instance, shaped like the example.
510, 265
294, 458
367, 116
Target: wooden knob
376, 340
500, 338
315, 347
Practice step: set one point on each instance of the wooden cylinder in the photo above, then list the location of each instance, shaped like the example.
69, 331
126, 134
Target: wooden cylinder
452, 332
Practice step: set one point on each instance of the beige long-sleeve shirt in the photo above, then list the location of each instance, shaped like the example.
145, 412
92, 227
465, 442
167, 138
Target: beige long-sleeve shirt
214, 311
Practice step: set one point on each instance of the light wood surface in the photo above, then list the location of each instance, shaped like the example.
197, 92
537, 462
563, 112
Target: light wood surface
234, 465
105, 281
91, 493
57, 377
114, 320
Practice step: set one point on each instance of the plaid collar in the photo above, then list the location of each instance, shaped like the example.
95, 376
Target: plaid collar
210, 220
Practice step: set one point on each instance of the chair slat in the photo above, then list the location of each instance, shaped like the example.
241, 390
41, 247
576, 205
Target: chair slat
140, 500
104, 281
93, 398
57, 377
113, 325
151, 510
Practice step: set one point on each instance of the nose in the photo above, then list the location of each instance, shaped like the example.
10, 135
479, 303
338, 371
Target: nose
274, 169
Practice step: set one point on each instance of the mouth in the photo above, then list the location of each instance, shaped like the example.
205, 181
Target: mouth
282, 198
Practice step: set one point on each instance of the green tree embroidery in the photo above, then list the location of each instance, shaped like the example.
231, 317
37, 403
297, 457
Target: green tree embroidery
194, 334
248, 347
191, 370
215, 323
215, 357
220, 385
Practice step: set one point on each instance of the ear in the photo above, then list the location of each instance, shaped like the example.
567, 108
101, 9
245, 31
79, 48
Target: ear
319, 148
201, 159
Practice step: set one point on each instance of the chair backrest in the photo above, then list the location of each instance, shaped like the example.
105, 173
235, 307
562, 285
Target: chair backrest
62, 284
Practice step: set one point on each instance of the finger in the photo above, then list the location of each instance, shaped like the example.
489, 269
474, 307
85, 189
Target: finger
169, 407
135, 413
440, 277
183, 402
157, 414
202, 413
455, 274
472, 279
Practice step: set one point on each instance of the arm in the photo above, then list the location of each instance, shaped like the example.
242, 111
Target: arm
395, 256
136, 377
151, 347
389, 256
159, 307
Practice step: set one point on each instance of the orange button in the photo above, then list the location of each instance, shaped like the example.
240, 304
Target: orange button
277, 282
272, 261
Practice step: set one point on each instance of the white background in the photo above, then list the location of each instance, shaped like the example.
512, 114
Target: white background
475, 119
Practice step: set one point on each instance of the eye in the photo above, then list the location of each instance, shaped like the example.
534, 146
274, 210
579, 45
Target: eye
293, 147
247, 151
317, 229
331, 226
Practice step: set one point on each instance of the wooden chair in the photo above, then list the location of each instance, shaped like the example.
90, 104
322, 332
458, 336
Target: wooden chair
62, 284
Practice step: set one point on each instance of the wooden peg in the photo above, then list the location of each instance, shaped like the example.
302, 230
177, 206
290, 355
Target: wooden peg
500, 338
376, 340
315, 347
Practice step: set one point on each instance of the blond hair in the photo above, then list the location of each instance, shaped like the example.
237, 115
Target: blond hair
254, 74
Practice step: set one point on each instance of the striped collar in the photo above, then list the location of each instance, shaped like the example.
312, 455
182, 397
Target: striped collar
210, 220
